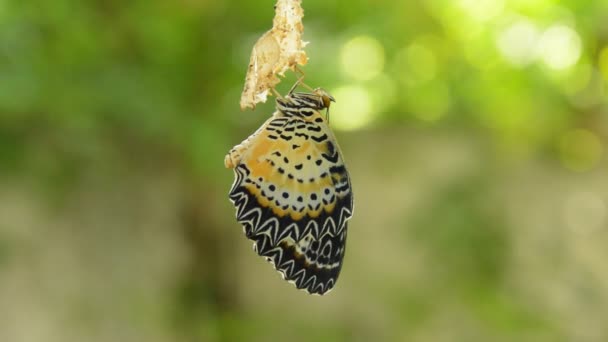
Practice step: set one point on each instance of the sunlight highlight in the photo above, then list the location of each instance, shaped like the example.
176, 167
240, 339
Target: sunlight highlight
353, 108
559, 47
482, 10
362, 58
517, 43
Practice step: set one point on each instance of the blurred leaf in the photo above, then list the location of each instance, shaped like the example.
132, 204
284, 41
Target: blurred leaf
464, 235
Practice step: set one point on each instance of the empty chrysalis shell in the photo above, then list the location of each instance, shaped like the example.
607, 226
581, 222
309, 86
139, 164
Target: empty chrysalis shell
278, 50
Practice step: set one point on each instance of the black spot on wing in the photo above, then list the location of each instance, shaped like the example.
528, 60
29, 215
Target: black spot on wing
331, 149
332, 158
320, 138
340, 169
277, 122
332, 155
304, 135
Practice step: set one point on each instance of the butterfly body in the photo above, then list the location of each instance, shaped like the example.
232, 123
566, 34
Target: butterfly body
292, 192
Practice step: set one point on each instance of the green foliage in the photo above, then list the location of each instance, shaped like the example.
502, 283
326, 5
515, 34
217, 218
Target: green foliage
468, 243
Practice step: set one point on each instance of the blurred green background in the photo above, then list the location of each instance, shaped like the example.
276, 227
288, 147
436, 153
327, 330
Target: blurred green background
475, 132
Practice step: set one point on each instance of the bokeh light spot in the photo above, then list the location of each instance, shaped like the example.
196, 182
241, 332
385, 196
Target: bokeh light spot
419, 64
559, 47
580, 150
585, 212
362, 58
353, 108
482, 10
517, 43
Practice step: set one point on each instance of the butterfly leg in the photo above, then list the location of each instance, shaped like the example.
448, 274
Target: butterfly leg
300, 81
301, 72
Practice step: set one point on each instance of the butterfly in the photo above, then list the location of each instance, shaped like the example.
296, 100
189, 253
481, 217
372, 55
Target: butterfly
292, 191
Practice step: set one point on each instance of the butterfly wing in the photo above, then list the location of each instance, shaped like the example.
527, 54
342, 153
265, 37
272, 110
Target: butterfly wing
293, 196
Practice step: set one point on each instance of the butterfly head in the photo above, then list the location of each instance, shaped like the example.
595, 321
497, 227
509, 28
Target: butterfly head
325, 97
